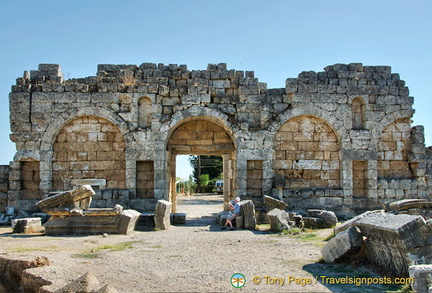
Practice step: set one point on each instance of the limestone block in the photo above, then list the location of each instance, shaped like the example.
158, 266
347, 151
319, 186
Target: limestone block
26, 225
178, 218
80, 197
162, 215
12, 269
342, 244
127, 222
279, 220
272, 203
407, 204
86, 283
248, 213
329, 217
352, 222
313, 223
50, 278
394, 242
239, 222
421, 274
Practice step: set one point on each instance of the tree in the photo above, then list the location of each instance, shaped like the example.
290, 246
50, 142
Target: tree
203, 182
211, 165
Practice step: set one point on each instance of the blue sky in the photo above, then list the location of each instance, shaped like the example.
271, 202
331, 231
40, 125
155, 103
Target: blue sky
276, 39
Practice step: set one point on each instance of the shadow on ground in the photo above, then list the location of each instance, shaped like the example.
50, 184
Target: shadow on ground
345, 278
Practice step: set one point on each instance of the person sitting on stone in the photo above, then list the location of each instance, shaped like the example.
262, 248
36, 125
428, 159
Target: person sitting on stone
235, 207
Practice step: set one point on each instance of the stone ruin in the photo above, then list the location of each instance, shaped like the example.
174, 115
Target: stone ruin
339, 139
71, 214
38, 276
392, 241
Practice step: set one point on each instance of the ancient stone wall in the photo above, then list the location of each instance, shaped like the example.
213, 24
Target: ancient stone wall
429, 162
4, 184
89, 147
342, 138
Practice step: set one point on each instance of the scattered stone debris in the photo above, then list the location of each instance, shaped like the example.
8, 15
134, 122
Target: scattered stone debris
297, 219
392, 242
71, 214
37, 276
13, 268
6, 218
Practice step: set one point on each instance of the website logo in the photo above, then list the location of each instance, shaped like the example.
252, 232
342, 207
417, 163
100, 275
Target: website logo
238, 280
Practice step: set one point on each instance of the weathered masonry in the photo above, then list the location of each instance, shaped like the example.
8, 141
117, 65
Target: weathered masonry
340, 139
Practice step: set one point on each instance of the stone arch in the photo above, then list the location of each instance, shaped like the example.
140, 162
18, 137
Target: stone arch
393, 149
307, 153
358, 109
145, 112
62, 119
198, 135
199, 113
336, 124
379, 126
89, 147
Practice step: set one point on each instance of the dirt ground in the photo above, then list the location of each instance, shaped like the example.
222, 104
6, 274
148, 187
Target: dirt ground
196, 257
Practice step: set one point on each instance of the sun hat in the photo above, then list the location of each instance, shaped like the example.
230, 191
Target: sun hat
237, 198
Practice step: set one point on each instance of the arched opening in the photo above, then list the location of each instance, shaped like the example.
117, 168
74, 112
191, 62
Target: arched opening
358, 113
202, 136
89, 148
307, 154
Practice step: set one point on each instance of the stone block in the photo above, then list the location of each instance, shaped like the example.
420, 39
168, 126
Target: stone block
279, 220
344, 243
239, 222
248, 214
352, 222
394, 242
127, 221
12, 269
178, 218
162, 215
422, 275
80, 197
329, 217
313, 223
272, 203
27, 225
50, 278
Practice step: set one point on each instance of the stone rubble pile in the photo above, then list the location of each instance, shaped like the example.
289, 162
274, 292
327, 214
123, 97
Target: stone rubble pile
37, 276
391, 242
71, 214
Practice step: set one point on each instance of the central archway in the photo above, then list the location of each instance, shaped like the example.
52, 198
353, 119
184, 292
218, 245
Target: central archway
202, 136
